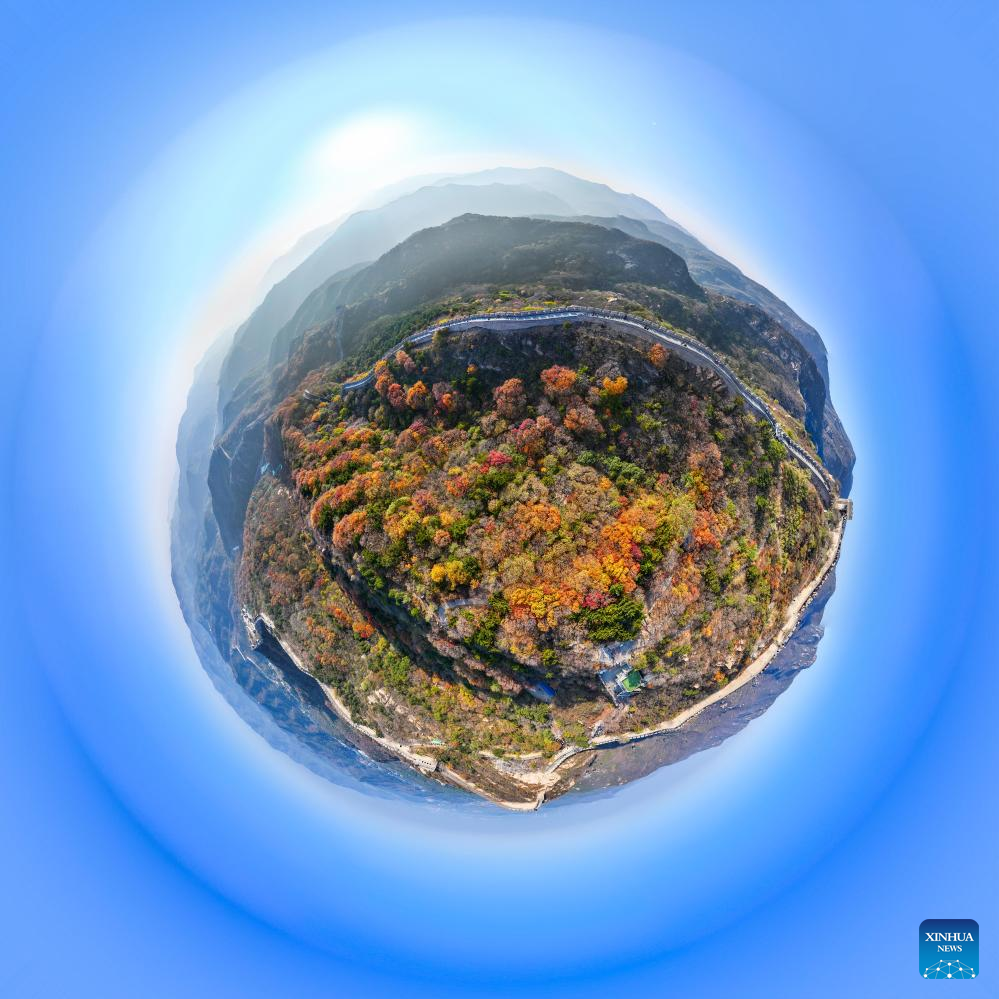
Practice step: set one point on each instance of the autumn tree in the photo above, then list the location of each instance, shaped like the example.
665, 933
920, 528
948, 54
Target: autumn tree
705, 526
532, 436
396, 396
418, 396
322, 516
708, 460
451, 574
445, 397
558, 381
349, 529
510, 398
581, 420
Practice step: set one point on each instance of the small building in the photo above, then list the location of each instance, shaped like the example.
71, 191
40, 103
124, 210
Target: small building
630, 680
621, 682
615, 653
845, 507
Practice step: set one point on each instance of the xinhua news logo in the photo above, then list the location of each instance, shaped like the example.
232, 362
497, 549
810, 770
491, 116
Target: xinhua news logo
948, 948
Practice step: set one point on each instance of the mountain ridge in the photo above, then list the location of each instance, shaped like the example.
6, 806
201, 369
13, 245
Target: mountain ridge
363, 236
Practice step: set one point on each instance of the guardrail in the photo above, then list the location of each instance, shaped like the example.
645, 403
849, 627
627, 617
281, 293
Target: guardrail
659, 333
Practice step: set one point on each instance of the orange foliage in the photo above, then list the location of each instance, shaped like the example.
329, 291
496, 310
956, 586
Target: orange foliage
685, 585
349, 528
558, 380
510, 397
315, 514
363, 629
537, 518
457, 485
398, 524
531, 436
418, 396
582, 420
704, 530
707, 461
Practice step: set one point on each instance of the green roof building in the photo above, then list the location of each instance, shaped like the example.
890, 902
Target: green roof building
630, 681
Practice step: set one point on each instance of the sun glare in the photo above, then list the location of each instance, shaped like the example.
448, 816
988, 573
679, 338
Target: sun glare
363, 143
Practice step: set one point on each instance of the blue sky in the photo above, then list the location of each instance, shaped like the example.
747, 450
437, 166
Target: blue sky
845, 156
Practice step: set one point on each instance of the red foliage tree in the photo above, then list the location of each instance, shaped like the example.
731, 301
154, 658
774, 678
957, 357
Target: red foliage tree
582, 420
348, 529
531, 437
510, 398
396, 396
704, 530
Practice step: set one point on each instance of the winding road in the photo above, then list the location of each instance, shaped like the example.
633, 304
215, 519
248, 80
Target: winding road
689, 349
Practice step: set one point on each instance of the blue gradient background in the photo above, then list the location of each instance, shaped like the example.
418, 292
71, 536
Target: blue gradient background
151, 843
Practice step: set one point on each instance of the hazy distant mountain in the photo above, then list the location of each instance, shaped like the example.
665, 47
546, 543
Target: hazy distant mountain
586, 196
367, 234
302, 249
364, 236
468, 249
474, 249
